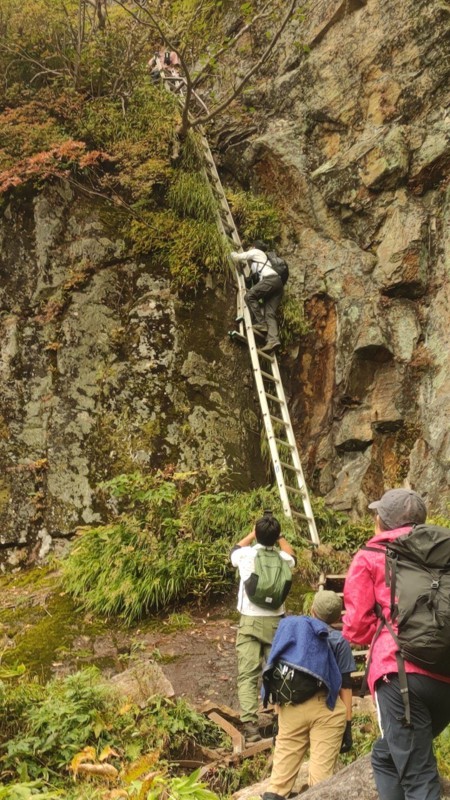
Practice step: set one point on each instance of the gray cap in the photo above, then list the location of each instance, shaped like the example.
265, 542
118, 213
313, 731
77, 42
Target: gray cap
400, 507
327, 606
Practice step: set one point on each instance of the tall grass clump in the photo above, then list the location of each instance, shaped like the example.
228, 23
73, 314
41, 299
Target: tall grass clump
160, 547
190, 196
164, 544
292, 323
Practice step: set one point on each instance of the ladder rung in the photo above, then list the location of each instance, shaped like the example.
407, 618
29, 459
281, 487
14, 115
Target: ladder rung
289, 466
228, 227
283, 442
269, 356
275, 399
277, 419
237, 335
301, 492
298, 514
269, 377
227, 222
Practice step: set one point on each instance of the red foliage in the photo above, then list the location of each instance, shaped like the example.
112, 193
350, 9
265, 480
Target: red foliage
53, 162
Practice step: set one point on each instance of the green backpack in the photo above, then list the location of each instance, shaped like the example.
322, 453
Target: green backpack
270, 582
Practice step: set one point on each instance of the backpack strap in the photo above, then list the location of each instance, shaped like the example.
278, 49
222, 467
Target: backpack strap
267, 261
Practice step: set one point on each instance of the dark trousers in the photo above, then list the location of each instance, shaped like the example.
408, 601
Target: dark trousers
270, 291
403, 761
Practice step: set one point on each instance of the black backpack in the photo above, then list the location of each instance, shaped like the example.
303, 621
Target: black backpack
417, 568
289, 685
279, 265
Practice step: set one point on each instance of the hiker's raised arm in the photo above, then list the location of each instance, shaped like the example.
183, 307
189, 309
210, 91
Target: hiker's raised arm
247, 540
285, 546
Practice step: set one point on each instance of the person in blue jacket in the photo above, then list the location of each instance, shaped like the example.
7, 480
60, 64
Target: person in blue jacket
321, 723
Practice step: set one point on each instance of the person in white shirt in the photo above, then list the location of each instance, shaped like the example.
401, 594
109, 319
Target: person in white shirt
257, 625
268, 287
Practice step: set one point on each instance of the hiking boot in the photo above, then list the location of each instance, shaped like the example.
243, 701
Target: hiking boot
270, 346
251, 732
260, 330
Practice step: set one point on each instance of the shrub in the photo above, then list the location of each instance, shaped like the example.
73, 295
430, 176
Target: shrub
71, 713
162, 547
80, 712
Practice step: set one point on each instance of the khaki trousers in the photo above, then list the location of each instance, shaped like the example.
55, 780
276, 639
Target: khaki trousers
253, 643
310, 724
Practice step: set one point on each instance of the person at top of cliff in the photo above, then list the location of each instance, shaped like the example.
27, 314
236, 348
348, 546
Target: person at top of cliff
164, 63
264, 292
403, 761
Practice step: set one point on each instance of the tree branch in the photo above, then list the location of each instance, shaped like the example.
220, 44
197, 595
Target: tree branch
203, 120
231, 43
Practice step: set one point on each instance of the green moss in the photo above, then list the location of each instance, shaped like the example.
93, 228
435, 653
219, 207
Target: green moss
255, 216
42, 621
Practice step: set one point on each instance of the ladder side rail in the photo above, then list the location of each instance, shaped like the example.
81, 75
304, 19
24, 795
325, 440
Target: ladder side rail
233, 235
271, 438
294, 454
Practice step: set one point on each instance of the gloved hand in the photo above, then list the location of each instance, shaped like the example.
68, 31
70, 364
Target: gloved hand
347, 739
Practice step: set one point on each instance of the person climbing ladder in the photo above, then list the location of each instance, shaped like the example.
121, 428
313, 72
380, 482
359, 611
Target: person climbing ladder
266, 285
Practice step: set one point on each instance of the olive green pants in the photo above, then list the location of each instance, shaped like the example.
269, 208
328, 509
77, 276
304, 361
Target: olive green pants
308, 725
253, 644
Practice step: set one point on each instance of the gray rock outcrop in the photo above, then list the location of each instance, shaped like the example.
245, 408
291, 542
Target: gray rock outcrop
354, 144
105, 369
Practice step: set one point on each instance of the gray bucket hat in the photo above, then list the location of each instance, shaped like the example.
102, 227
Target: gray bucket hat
400, 507
327, 606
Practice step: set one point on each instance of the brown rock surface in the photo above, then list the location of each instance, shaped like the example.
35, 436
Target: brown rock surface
354, 144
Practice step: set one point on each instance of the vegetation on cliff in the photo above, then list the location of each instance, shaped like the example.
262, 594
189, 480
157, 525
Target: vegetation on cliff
77, 102
165, 544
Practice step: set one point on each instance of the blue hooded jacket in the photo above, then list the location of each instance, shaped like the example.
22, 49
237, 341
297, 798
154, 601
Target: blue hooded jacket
302, 642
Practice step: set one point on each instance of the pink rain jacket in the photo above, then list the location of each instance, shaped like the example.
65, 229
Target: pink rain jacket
364, 586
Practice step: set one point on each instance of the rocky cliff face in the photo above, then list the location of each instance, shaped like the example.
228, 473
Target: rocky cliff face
353, 142
105, 370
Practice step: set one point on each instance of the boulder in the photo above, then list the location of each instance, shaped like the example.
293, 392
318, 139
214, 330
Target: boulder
141, 682
354, 782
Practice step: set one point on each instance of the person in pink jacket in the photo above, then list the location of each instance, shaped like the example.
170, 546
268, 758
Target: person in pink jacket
403, 761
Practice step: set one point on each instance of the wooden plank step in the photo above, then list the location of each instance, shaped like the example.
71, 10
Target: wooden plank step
235, 735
